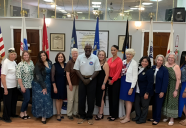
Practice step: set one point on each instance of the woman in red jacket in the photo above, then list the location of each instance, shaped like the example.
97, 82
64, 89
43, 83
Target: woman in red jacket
115, 66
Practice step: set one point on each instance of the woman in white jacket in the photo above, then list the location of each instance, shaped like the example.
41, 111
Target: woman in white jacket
129, 77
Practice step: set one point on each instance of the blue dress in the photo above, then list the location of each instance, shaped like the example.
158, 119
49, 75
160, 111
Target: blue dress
124, 89
59, 77
42, 105
182, 101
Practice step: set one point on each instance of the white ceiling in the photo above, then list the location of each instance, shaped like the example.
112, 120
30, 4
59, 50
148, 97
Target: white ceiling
82, 5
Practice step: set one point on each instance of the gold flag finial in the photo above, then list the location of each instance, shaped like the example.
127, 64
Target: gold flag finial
23, 12
151, 15
43, 11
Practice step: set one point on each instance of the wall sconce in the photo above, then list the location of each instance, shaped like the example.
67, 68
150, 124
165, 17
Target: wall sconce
138, 24
47, 21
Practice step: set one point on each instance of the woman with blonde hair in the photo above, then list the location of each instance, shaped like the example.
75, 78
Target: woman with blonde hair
102, 78
170, 106
129, 76
24, 74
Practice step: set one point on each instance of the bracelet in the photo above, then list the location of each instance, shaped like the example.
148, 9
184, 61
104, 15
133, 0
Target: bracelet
184, 92
176, 90
104, 83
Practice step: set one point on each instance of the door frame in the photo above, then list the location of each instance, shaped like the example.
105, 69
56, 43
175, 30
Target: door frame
36, 28
143, 35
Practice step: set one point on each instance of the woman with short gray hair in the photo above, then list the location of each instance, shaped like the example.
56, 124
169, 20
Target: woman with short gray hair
170, 106
161, 78
9, 83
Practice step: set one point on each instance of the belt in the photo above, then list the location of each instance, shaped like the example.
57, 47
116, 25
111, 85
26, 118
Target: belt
86, 77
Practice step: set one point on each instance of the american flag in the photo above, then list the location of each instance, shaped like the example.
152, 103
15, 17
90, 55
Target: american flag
2, 47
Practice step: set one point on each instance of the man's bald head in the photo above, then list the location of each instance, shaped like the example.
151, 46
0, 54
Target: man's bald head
88, 49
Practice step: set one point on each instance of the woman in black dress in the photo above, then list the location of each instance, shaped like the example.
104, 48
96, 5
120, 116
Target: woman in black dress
58, 76
101, 82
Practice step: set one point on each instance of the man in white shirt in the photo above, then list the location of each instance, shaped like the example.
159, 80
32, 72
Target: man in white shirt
87, 67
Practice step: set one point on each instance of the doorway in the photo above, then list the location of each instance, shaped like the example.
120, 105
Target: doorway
32, 39
160, 43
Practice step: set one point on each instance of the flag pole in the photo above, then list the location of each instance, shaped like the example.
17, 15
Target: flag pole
157, 11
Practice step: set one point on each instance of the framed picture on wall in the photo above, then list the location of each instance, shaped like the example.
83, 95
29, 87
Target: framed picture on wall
57, 42
121, 39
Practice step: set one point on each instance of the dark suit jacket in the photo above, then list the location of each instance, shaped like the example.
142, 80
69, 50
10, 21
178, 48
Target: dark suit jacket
162, 79
146, 81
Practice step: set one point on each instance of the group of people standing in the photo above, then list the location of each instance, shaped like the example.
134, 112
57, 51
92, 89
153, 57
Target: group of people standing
87, 77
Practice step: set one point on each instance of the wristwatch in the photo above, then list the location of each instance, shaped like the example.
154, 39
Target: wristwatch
90, 78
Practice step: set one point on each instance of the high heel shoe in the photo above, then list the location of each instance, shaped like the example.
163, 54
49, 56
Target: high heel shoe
59, 115
99, 118
44, 122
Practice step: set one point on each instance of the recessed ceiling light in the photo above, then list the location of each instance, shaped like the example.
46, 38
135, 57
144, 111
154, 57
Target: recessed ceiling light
53, 6
133, 8
147, 3
96, 6
48, 0
155, 0
96, 2
126, 11
136, 6
79, 12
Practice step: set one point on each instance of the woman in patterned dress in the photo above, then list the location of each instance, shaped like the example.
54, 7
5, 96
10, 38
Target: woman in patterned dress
42, 104
170, 106
24, 74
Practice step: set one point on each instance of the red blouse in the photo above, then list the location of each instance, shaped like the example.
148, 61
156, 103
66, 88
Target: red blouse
115, 68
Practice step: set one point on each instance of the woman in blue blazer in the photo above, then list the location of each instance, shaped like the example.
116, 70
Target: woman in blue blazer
144, 90
161, 79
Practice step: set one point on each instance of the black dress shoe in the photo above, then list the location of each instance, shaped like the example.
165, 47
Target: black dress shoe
15, 116
112, 119
153, 123
150, 120
7, 121
44, 122
109, 117
135, 119
140, 122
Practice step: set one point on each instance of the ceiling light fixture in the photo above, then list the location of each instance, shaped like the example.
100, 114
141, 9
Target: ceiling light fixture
53, 6
155, 0
133, 8
141, 8
95, 6
147, 3
79, 12
58, 8
96, 2
48, 0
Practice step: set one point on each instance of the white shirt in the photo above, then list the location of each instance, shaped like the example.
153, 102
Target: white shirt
87, 66
155, 75
9, 69
137, 86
